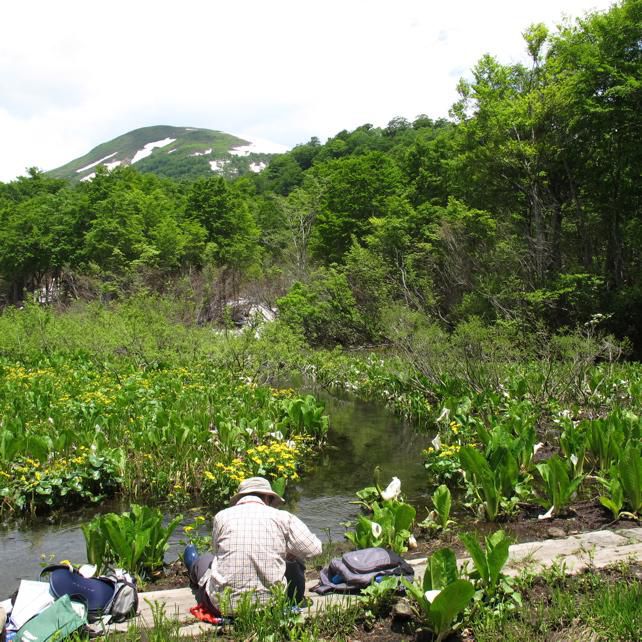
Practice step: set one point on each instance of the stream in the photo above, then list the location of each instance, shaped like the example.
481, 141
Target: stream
362, 435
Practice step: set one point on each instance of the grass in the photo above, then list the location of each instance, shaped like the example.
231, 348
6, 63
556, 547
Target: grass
273, 621
593, 606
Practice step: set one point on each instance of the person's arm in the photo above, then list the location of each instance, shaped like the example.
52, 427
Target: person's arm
216, 528
302, 542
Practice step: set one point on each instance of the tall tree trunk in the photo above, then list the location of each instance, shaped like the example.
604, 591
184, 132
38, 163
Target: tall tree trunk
586, 242
556, 240
614, 262
538, 236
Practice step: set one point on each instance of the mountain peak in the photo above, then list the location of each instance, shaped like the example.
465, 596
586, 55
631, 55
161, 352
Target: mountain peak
175, 152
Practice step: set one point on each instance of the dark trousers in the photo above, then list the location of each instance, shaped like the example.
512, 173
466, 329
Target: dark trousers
294, 576
197, 570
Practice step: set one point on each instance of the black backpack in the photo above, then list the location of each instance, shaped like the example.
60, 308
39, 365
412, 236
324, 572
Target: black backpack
357, 569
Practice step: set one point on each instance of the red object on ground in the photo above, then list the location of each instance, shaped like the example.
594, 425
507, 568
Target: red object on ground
202, 613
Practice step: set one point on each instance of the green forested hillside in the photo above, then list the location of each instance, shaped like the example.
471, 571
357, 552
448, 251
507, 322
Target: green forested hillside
523, 207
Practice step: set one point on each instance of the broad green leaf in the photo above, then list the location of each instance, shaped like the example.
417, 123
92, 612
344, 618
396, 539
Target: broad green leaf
448, 604
442, 501
477, 554
630, 469
441, 569
497, 555
404, 516
474, 462
611, 505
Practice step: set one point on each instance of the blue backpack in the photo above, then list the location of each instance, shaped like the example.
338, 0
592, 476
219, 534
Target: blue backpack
114, 595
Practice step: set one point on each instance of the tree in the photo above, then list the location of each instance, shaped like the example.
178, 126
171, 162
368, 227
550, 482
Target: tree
232, 232
37, 239
300, 211
597, 66
356, 189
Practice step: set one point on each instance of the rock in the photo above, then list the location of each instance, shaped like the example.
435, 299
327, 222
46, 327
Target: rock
556, 531
402, 610
424, 635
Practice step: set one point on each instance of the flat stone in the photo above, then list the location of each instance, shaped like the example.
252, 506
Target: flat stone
402, 610
602, 538
177, 603
555, 531
631, 534
547, 549
198, 629
606, 557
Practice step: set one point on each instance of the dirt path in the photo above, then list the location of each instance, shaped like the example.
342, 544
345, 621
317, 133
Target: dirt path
573, 554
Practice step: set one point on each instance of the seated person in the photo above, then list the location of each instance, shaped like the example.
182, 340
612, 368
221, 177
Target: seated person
255, 546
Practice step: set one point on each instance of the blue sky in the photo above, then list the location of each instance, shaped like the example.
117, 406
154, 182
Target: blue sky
74, 74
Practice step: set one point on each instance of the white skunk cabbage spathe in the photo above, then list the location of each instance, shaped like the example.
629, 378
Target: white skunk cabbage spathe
548, 514
393, 489
376, 529
445, 413
431, 595
412, 542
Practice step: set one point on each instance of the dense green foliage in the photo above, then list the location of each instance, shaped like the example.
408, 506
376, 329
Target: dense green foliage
525, 205
91, 406
135, 540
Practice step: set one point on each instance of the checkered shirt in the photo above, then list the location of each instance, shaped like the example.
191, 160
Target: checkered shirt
251, 541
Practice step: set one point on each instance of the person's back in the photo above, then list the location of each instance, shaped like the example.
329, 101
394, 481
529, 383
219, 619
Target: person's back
256, 546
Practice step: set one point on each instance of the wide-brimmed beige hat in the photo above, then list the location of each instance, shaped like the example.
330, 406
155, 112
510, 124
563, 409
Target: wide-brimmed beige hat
258, 485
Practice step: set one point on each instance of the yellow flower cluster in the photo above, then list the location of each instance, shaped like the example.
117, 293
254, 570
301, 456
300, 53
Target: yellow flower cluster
447, 452
18, 373
34, 469
96, 396
278, 458
282, 393
275, 459
235, 471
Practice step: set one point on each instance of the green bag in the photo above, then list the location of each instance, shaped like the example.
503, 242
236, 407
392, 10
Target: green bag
56, 622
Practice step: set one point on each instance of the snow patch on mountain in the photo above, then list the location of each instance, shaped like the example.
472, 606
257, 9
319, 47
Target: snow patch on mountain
86, 167
257, 167
149, 148
258, 146
218, 165
205, 153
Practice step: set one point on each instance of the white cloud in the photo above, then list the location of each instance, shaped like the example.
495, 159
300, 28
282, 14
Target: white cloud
74, 74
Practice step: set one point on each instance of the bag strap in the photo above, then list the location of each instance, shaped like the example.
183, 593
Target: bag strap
77, 597
56, 567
